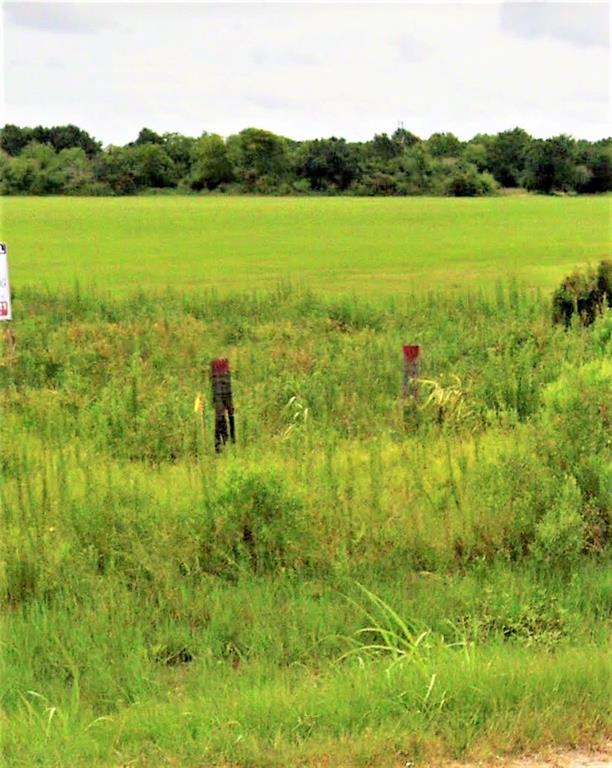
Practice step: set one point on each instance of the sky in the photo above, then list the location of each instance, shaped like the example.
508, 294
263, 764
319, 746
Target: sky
307, 70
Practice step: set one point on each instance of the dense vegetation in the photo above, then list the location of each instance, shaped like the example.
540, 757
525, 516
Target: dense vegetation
585, 294
143, 627
67, 160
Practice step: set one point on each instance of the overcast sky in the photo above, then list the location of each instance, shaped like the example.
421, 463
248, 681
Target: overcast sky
308, 70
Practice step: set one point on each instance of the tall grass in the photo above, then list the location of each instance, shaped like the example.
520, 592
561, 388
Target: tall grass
162, 603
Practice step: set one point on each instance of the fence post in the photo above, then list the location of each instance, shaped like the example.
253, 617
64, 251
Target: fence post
412, 365
221, 379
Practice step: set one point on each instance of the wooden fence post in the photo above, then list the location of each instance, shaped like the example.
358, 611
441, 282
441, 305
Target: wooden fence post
221, 379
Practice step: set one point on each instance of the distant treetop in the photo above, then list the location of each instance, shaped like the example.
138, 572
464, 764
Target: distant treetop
66, 160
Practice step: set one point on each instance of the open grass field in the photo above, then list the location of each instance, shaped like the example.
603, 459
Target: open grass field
359, 580
369, 246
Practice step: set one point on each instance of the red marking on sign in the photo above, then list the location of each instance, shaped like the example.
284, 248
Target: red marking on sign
412, 351
3, 308
221, 365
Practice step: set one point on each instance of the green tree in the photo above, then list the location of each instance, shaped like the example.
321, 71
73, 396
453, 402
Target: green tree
383, 147
179, 149
404, 139
596, 166
477, 151
210, 164
551, 165
153, 167
116, 168
328, 164
66, 159
5, 165
17, 175
258, 156
444, 145
74, 170
70, 136
416, 169
65, 137
147, 136
46, 177
507, 155
466, 181
13, 139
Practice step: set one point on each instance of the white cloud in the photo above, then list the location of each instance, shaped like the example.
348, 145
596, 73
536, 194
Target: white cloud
71, 18
301, 70
584, 24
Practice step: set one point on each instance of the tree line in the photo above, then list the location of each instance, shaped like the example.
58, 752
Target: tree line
66, 160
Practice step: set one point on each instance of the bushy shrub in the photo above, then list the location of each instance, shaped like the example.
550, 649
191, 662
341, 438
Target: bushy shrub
537, 618
506, 499
560, 535
578, 410
583, 294
256, 522
468, 182
575, 434
602, 333
604, 279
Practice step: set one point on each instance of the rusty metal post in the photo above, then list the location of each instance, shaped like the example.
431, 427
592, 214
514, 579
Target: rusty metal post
221, 379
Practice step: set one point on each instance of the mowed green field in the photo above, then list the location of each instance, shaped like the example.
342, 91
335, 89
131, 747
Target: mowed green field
361, 245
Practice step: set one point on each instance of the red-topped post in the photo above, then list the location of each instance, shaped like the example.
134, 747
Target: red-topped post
412, 364
221, 379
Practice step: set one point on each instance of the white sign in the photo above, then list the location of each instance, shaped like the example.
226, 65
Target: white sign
5, 288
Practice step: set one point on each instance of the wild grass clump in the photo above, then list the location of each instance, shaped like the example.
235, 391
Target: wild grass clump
255, 522
560, 534
506, 496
